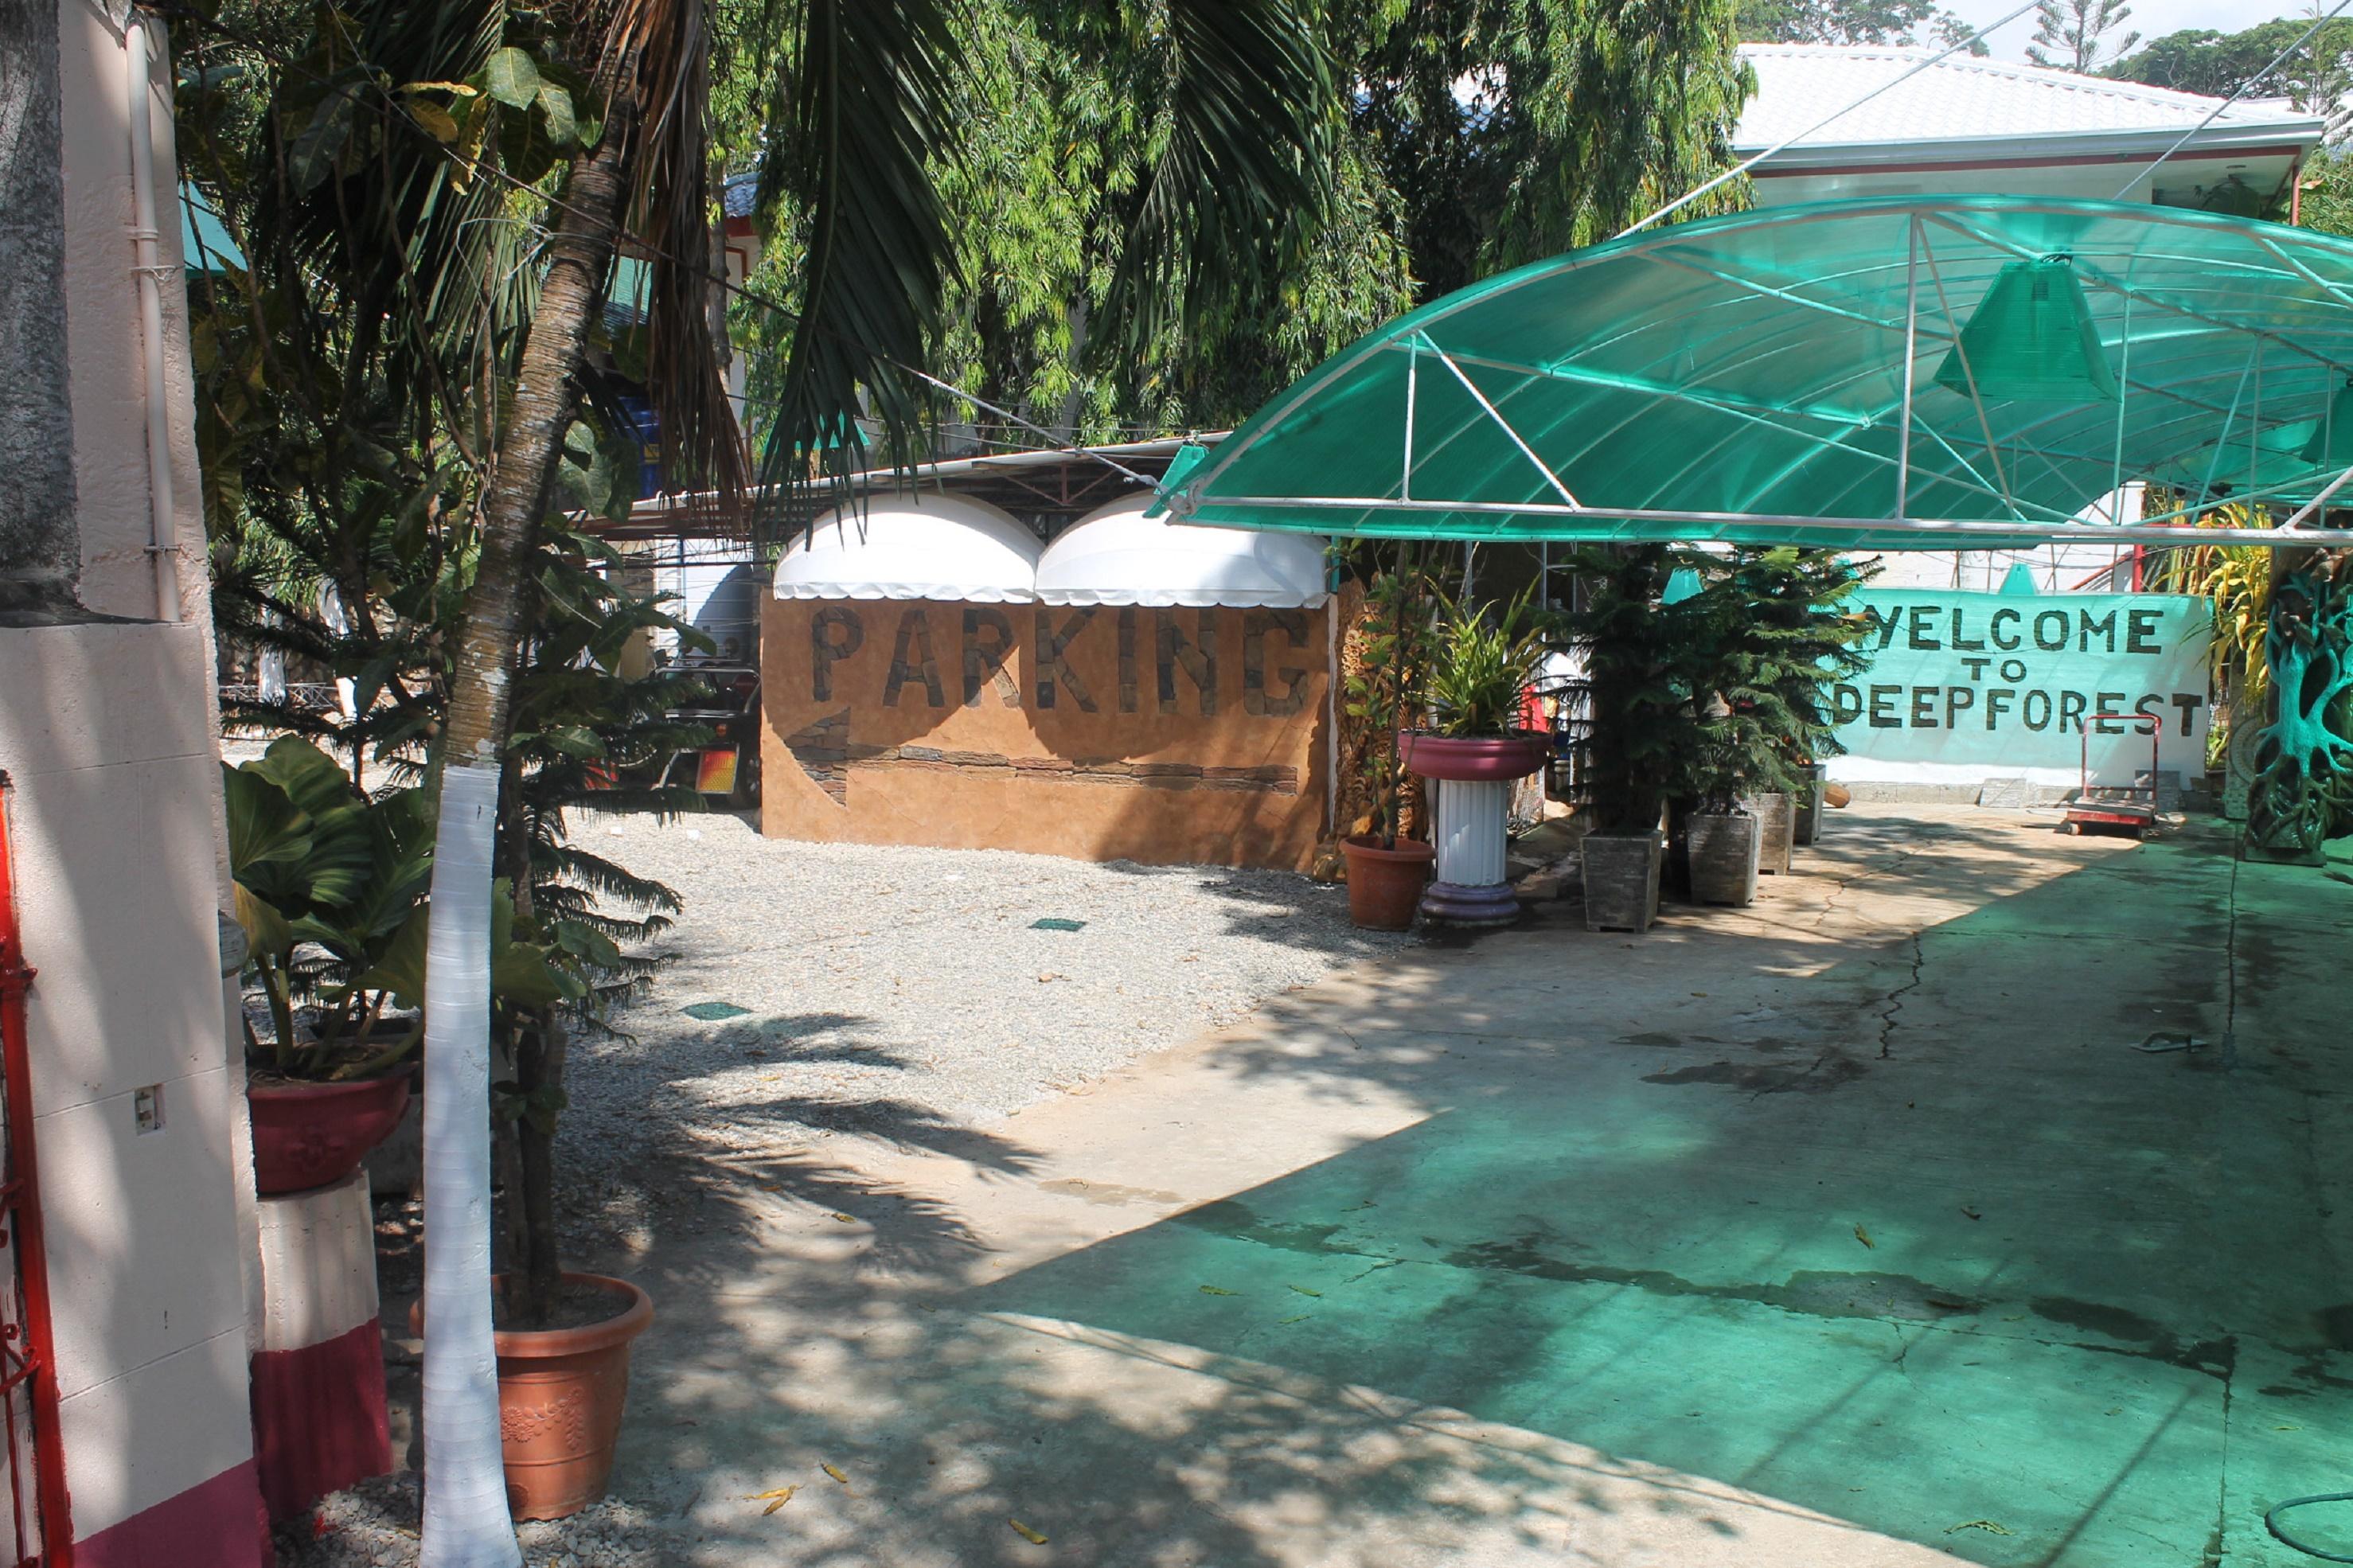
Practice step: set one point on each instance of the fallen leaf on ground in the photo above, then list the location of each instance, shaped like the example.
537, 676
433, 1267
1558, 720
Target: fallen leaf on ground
774, 1499
837, 1474
1305, 1292
846, 1219
1035, 1538
1300, 1318
1988, 1526
1863, 1237
1970, 1211
1214, 1291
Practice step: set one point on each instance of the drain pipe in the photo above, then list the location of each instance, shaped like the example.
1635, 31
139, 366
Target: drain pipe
147, 269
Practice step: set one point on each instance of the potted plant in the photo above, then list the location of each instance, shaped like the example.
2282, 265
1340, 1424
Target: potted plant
324, 878
1782, 618
1641, 727
1473, 747
1386, 871
560, 914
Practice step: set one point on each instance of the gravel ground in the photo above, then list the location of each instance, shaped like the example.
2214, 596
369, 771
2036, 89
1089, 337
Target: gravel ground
901, 993
373, 1525
897, 994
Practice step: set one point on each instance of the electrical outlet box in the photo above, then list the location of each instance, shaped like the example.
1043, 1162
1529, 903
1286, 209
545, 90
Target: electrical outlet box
147, 1108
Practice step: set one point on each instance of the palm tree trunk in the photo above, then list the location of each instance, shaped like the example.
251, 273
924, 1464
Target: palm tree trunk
466, 1523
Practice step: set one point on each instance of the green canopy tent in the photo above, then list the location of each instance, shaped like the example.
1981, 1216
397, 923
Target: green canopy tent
1904, 372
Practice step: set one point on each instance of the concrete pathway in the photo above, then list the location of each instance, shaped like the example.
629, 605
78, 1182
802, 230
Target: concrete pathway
1847, 1229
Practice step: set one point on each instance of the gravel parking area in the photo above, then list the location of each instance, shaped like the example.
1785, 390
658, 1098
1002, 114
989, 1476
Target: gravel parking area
904, 993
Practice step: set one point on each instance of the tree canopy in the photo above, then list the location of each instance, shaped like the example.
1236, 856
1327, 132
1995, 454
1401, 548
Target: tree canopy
2313, 76
1874, 22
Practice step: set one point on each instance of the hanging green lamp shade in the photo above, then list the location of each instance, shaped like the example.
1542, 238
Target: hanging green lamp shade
2032, 339
2019, 583
2331, 445
1683, 584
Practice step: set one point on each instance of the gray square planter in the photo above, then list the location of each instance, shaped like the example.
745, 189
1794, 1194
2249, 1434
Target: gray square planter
1777, 824
1808, 824
1722, 858
1622, 881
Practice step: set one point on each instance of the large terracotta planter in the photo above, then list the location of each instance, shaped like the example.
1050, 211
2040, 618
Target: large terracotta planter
1488, 759
1622, 881
1722, 858
1383, 885
561, 1396
306, 1135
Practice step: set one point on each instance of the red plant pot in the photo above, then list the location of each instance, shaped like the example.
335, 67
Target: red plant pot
306, 1135
1384, 885
1483, 759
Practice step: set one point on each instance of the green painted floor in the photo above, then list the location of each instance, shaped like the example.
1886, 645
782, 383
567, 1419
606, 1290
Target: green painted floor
1907, 1232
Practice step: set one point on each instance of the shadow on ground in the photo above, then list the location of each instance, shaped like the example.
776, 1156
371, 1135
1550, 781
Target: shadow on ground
1855, 1228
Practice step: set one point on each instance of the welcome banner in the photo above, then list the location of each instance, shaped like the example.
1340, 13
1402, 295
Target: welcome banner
1962, 686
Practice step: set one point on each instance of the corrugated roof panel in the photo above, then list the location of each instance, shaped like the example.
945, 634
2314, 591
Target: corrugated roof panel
1964, 98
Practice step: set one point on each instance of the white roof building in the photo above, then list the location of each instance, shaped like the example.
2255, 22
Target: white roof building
1116, 555
903, 547
1968, 125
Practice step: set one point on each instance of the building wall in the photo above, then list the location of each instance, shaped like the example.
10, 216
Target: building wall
108, 736
1166, 736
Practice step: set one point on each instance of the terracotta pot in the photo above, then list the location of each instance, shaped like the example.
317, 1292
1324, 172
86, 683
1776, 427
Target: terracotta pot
560, 1394
1722, 858
1622, 881
1473, 759
306, 1135
1383, 885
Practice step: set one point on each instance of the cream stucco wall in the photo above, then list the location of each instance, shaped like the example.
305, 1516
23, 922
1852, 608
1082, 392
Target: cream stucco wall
108, 740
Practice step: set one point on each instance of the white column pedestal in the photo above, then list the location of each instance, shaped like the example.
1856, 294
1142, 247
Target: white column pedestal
1471, 889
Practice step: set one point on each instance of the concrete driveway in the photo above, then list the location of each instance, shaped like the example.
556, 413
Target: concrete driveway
1853, 1228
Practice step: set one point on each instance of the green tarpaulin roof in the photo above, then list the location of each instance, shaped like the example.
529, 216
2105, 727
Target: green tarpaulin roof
1746, 377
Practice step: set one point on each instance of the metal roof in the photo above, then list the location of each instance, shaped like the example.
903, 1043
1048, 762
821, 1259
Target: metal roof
1046, 487
1981, 105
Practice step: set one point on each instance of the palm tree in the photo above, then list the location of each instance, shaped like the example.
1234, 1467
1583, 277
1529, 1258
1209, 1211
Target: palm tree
1240, 171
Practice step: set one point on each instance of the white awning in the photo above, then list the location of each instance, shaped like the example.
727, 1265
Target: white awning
1116, 555
914, 547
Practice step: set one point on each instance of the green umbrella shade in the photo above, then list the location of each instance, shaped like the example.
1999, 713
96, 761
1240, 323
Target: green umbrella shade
1773, 376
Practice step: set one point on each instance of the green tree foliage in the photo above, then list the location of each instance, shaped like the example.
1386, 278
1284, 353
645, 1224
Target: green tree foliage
1513, 130
2314, 75
1875, 22
2202, 61
1587, 113
2074, 35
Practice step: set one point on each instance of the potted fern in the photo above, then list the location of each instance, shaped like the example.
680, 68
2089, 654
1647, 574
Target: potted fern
1633, 644
1787, 631
1474, 747
1385, 870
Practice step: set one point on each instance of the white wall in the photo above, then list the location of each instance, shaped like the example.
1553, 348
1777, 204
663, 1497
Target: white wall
109, 735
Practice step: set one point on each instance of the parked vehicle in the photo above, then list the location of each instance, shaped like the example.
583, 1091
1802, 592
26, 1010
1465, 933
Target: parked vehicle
727, 771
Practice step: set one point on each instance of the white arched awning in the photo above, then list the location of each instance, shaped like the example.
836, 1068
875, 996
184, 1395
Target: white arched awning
1116, 555
914, 547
